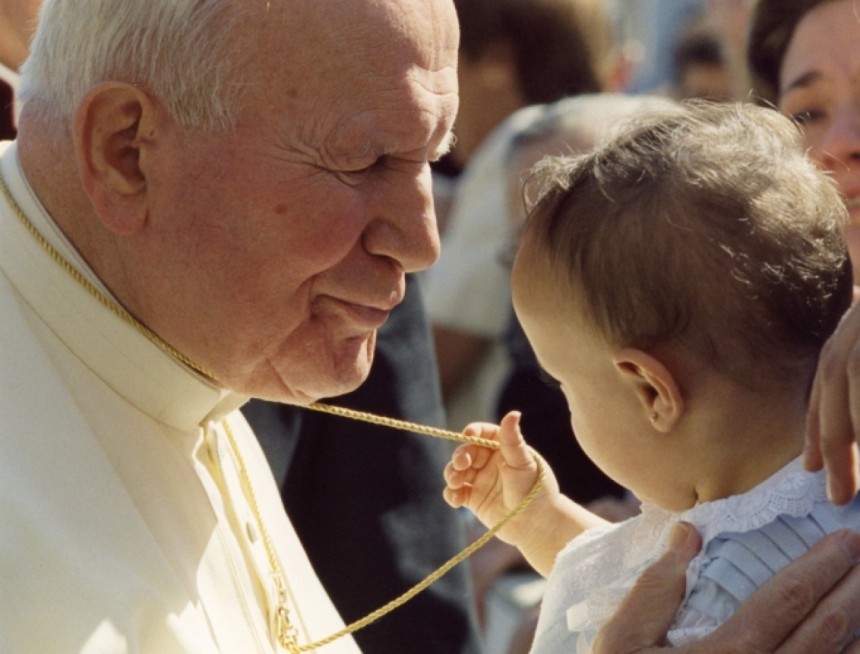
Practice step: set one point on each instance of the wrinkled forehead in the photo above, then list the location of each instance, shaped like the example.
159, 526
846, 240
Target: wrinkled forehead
349, 34
347, 56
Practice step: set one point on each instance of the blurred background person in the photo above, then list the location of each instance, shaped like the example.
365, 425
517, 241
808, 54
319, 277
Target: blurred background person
700, 68
520, 52
656, 27
653, 26
731, 19
17, 24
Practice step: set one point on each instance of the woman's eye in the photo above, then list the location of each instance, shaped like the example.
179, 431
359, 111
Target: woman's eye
806, 116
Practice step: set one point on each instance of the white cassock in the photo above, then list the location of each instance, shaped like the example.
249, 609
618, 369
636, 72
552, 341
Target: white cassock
123, 524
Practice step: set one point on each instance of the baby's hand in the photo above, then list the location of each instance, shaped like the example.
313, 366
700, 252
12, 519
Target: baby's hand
490, 483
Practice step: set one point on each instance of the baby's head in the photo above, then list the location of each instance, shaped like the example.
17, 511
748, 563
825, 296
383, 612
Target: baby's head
701, 228
679, 280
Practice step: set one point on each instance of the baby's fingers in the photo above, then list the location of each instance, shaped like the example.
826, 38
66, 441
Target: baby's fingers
462, 458
455, 498
515, 452
479, 454
455, 477
457, 487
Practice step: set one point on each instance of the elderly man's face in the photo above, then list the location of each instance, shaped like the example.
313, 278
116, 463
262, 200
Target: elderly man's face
285, 242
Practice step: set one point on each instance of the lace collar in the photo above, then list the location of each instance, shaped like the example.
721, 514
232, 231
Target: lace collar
791, 491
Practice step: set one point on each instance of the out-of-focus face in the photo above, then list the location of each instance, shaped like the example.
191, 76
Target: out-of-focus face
489, 93
820, 87
17, 24
708, 81
283, 244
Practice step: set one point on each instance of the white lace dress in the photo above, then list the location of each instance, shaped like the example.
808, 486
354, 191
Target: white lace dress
746, 539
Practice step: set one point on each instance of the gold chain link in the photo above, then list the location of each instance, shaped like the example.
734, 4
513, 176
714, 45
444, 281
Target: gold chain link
286, 632
402, 425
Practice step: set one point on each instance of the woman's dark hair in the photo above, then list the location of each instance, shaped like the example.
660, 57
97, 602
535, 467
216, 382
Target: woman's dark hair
560, 47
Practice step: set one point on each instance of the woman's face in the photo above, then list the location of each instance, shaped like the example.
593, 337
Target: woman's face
820, 88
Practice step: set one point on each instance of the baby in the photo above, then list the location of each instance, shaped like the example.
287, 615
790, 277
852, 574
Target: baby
678, 281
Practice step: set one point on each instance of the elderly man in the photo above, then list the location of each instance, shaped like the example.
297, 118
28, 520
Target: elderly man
190, 217
208, 201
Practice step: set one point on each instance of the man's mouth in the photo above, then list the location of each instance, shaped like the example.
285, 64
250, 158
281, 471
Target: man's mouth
366, 316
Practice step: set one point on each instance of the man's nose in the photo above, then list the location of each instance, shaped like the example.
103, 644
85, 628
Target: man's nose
403, 221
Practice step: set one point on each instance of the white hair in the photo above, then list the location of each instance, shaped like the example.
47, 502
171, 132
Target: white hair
176, 49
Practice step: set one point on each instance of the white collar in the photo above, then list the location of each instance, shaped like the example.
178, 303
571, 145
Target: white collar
790, 491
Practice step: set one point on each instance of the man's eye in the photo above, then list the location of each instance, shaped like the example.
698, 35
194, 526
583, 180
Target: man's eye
365, 170
353, 177
358, 175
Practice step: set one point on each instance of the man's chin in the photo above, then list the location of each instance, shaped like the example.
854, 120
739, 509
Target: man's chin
343, 376
304, 394
348, 379
344, 383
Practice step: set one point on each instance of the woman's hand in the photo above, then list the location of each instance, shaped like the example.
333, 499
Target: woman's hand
833, 419
811, 605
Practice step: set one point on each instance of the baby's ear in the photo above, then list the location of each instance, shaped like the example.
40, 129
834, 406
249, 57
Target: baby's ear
112, 125
653, 385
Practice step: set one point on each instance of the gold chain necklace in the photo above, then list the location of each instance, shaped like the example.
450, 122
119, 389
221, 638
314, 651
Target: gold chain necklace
286, 632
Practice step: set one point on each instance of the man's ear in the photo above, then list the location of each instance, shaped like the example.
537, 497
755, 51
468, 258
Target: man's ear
654, 386
112, 123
